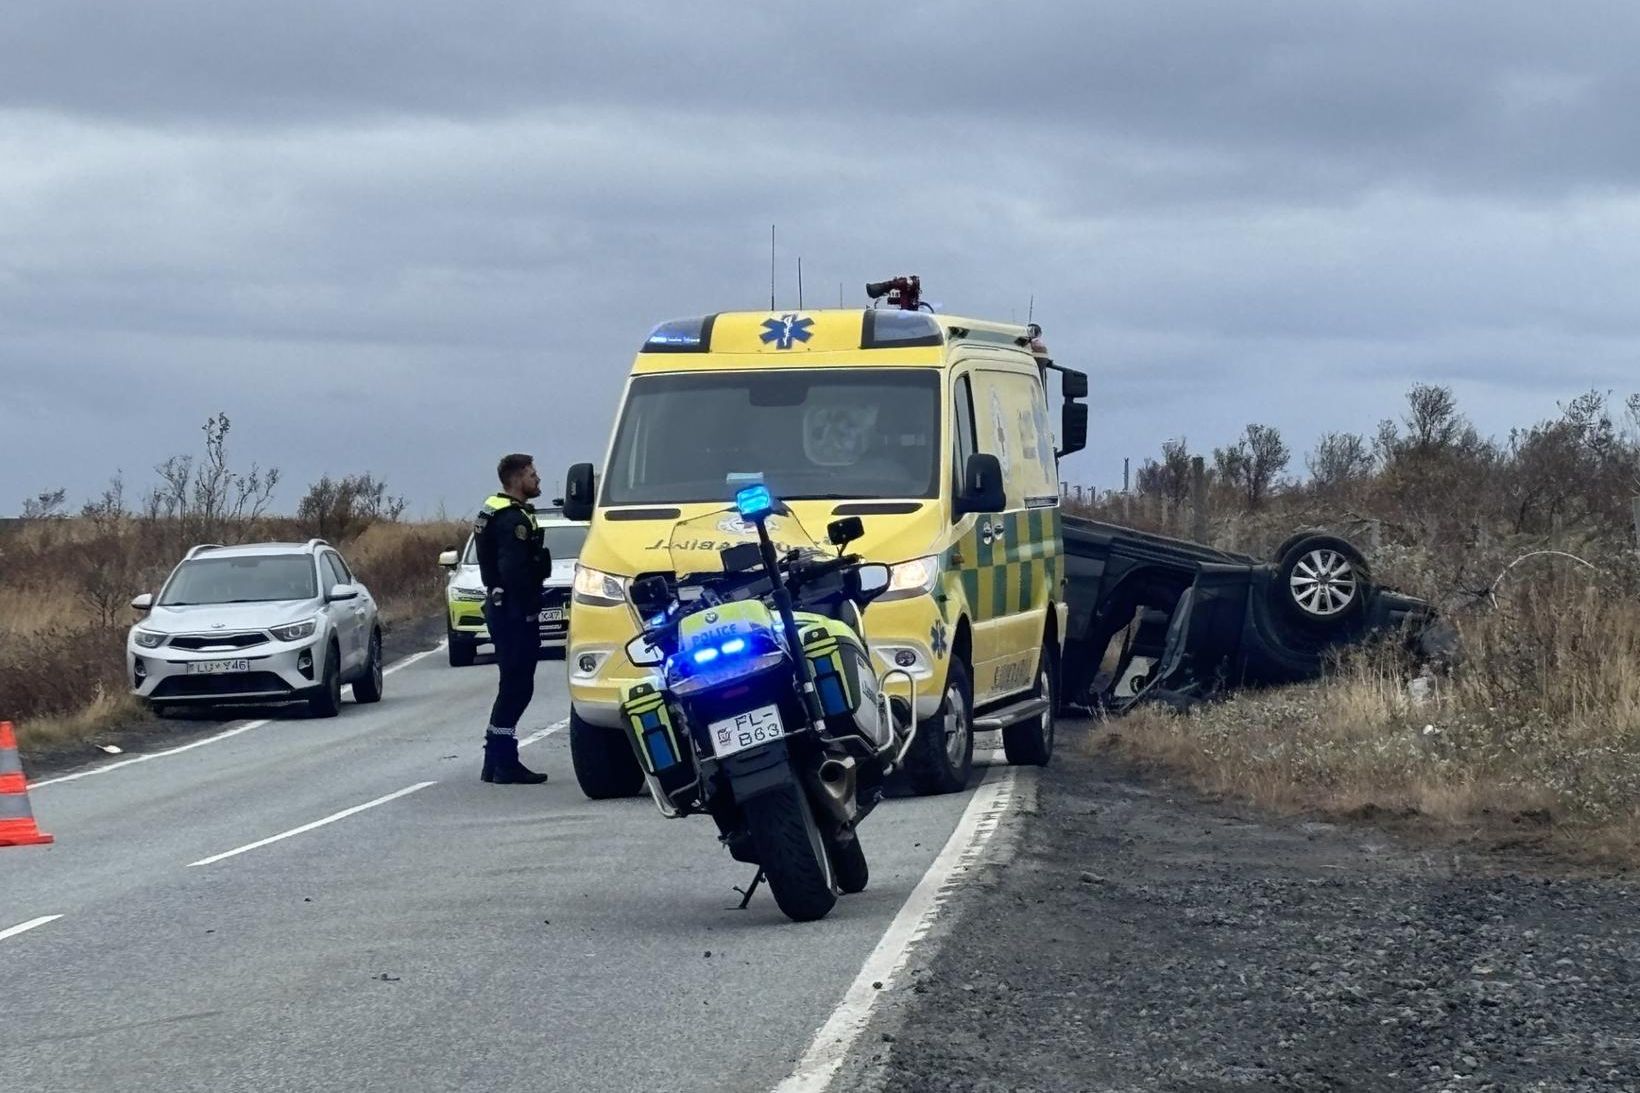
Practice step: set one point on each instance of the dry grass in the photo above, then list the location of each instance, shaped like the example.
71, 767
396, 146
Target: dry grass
1536, 730
63, 589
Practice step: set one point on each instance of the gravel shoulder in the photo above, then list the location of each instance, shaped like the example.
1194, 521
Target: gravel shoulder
1141, 937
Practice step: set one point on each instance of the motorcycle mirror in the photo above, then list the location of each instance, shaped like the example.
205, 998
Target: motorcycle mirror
644, 655
870, 581
741, 557
845, 531
651, 595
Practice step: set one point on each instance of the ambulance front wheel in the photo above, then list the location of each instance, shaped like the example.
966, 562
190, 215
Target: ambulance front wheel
604, 764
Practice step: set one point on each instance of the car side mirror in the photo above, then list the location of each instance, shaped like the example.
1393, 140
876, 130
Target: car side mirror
1073, 429
644, 655
448, 559
982, 489
868, 582
845, 531
144, 602
341, 593
579, 487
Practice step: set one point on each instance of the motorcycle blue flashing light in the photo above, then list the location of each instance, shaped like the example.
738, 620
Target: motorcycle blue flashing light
705, 656
733, 646
754, 501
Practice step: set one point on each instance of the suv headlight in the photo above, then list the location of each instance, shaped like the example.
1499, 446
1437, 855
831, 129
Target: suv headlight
149, 639
593, 586
296, 631
914, 578
467, 595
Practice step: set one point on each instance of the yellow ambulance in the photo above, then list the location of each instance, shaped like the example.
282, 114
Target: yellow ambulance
935, 430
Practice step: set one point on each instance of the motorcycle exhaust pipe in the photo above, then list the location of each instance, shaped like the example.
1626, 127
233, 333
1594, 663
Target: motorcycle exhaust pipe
837, 787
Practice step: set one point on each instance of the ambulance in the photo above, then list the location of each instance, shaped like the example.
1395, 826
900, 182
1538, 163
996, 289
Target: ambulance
934, 430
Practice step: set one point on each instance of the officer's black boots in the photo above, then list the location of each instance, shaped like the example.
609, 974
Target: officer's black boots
501, 764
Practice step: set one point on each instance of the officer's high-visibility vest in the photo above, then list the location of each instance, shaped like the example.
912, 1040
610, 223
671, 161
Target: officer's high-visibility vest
493, 506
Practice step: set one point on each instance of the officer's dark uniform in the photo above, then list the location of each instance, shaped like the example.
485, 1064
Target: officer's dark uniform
512, 562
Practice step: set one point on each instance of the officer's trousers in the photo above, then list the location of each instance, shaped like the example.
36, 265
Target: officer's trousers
517, 641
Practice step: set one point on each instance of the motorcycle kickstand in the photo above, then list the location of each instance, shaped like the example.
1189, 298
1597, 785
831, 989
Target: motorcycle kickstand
749, 890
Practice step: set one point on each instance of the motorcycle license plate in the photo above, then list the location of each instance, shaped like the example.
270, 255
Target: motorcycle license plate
217, 667
747, 730
553, 614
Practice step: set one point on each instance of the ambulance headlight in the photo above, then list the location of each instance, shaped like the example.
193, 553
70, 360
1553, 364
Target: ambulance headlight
597, 588
914, 578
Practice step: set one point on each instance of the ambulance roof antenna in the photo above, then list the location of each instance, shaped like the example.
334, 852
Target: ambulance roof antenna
800, 282
771, 267
1030, 313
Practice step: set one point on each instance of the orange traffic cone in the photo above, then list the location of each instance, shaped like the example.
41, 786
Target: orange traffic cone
17, 827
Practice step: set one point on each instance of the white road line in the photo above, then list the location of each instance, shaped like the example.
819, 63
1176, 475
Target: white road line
543, 734
218, 738
23, 928
831, 1044
342, 815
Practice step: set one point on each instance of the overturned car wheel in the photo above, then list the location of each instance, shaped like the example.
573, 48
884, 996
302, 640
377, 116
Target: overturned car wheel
1322, 581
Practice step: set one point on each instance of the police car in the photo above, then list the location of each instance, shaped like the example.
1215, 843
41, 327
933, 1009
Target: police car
464, 592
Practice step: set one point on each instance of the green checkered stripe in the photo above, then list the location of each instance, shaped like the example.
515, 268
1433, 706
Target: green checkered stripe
1014, 573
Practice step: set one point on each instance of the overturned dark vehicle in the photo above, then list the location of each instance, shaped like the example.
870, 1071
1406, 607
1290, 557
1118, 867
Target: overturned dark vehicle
1159, 619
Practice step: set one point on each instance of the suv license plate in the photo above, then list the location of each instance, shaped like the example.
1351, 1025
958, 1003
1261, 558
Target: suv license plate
747, 730
217, 667
553, 614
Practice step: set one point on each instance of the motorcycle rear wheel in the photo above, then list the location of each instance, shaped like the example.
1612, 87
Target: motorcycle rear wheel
792, 852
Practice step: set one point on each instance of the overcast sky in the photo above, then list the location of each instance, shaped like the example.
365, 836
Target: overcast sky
402, 237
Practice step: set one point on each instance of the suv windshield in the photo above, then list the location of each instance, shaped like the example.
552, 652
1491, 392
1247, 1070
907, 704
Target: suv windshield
563, 542
832, 434
251, 579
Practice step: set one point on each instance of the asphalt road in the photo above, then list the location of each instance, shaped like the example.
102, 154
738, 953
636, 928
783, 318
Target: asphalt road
436, 933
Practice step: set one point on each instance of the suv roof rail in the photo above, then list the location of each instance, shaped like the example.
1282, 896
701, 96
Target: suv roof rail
316, 542
200, 549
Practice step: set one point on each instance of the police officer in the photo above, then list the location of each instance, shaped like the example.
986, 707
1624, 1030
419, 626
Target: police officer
512, 562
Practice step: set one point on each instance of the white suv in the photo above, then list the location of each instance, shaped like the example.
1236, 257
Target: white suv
273, 622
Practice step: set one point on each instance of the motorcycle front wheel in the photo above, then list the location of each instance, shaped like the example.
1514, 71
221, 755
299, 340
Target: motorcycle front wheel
792, 852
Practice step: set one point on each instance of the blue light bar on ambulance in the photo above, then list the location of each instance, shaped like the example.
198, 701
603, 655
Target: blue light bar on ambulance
681, 336
887, 328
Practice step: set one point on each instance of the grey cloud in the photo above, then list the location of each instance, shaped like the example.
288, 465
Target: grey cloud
347, 225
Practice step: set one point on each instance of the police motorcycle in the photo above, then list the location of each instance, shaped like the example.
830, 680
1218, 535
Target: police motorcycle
763, 709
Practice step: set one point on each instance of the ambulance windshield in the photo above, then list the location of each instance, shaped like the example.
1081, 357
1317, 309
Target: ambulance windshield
812, 434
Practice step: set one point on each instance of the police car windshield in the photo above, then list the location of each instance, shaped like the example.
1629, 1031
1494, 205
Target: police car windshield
563, 542
832, 433
256, 579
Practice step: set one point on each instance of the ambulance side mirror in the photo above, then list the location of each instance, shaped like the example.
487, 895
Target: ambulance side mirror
1073, 384
578, 492
1073, 429
982, 489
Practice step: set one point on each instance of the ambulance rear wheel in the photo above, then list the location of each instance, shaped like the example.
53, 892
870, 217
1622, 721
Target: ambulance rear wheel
604, 764
942, 755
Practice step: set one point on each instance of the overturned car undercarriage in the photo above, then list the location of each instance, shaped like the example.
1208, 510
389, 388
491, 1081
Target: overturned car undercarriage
1159, 619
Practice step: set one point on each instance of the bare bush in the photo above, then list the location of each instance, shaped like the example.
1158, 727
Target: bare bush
345, 508
1250, 467
206, 500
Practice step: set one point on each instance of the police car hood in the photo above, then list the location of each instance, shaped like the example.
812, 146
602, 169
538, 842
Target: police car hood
642, 542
